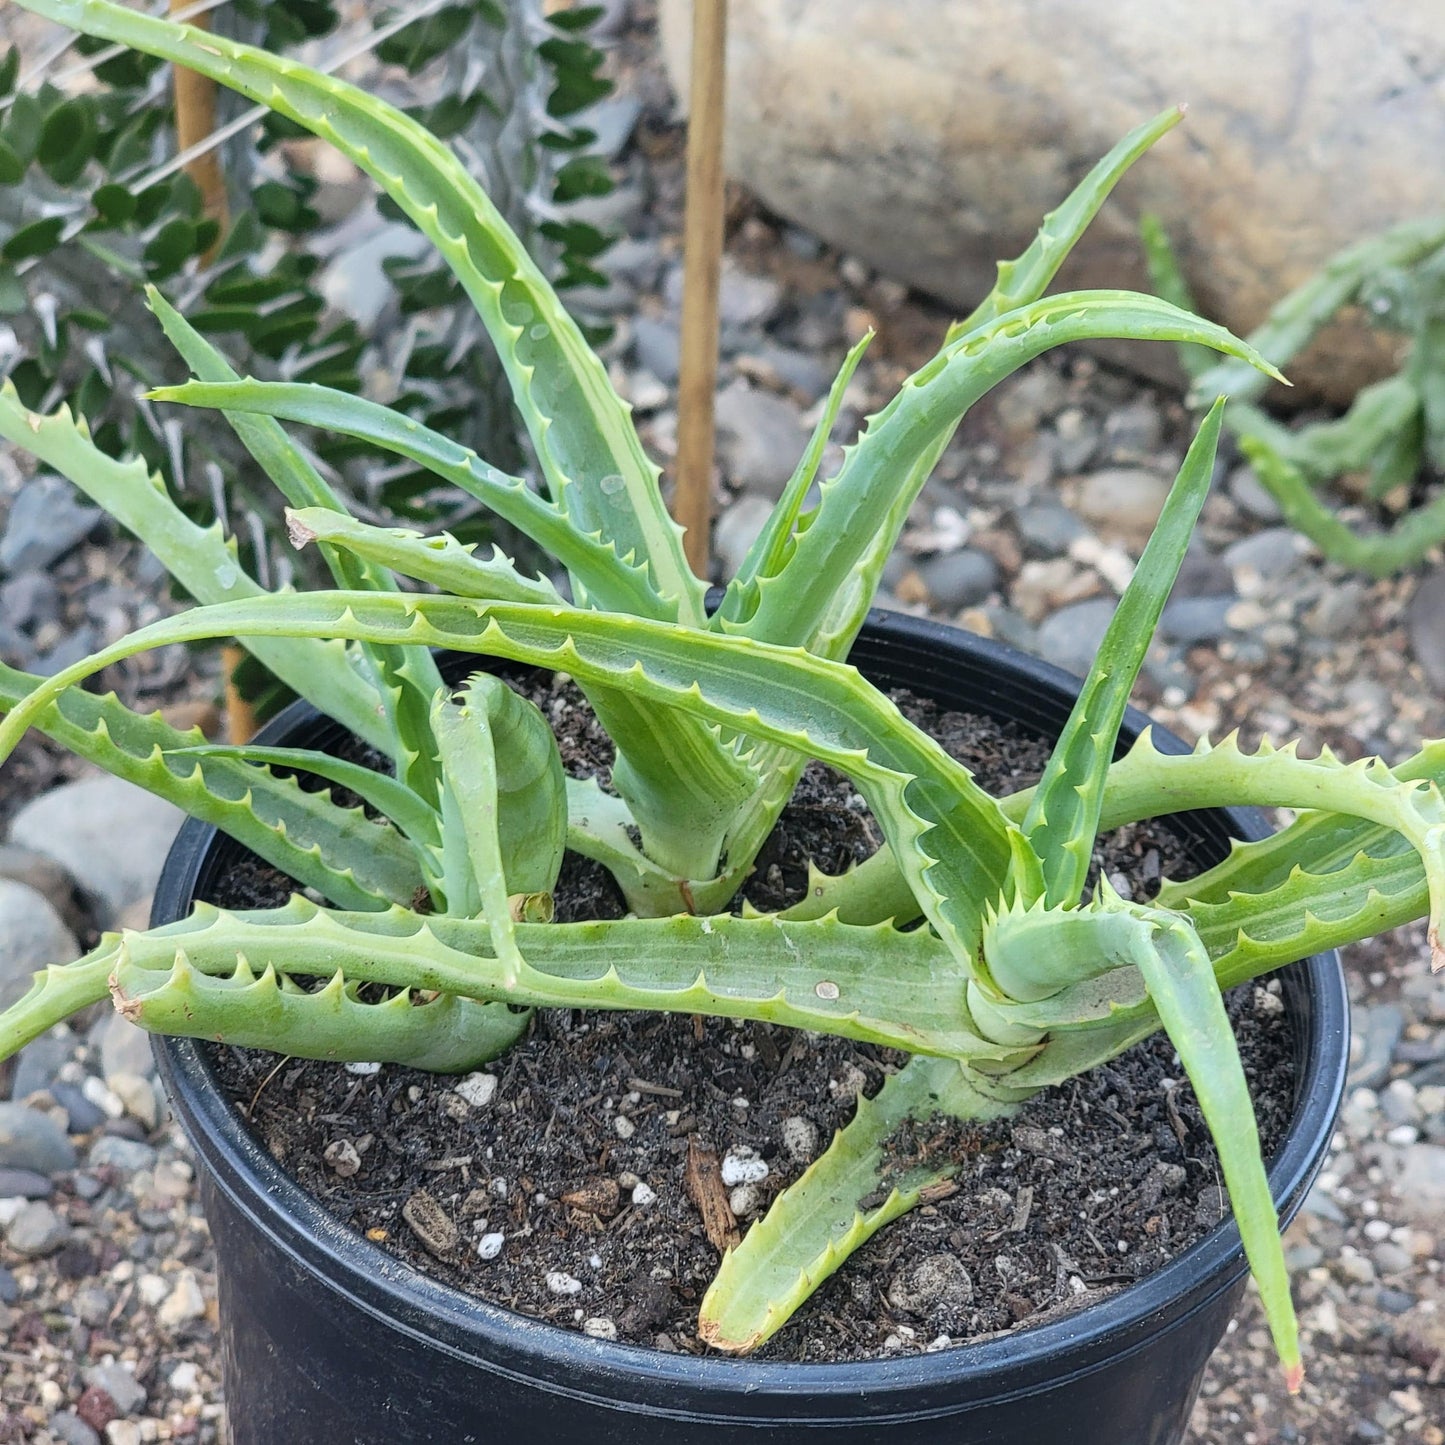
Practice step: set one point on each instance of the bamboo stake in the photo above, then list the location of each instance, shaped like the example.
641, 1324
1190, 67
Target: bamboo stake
195, 121
702, 266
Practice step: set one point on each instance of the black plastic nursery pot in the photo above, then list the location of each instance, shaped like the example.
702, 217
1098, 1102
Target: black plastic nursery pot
326, 1339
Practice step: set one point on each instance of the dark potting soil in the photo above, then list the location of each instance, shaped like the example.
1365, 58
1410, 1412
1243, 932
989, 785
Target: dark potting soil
567, 1183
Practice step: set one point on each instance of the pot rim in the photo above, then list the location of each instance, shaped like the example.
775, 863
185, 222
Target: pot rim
570, 1363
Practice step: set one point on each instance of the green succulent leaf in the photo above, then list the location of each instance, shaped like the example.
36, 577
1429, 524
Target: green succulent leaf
811, 600
201, 559
437, 1032
612, 581
1063, 817
393, 800
846, 1196
1181, 983
337, 851
949, 836
1023, 280
441, 561
821, 975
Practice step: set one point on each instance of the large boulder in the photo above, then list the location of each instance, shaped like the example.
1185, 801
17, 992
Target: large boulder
930, 136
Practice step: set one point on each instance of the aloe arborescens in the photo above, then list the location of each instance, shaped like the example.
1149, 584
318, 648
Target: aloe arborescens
437, 920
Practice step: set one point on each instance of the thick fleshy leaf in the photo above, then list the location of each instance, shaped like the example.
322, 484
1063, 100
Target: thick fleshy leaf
1063, 817
949, 837
817, 1222
201, 559
337, 851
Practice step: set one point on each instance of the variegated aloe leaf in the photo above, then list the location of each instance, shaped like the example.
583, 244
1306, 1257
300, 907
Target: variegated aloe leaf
612, 581
442, 561
201, 559
951, 841
1181, 983
823, 975
817, 1222
1063, 817
406, 680
504, 807
1020, 283
337, 851
582, 432
865, 506
438, 1032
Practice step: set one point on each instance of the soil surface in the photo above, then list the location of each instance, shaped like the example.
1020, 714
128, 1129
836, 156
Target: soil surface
591, 1175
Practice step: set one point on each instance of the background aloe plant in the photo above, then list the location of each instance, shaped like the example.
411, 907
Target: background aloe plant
437, 921
1394, 431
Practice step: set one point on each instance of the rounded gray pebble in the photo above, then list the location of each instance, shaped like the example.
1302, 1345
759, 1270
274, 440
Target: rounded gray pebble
1189, 620
37, 1230
117, 1382
124, 1154
1046, 531
960, 579
72, 1429
24, 1184
32, 1140
1071, 637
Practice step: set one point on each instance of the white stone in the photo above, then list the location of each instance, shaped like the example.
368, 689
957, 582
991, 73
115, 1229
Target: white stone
184, 1303
139, 1098
559, 1282
32, 935
477, 1089
110, 834
600, 1328
185, 1378
643, 1194
742, 1165
489, 1246
623, 1127
929, 137
800, 1139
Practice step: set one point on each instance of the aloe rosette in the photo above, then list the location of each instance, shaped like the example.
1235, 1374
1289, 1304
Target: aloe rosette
436, 933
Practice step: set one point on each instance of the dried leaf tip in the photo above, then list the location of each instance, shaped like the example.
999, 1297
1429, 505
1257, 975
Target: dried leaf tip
1294, 1377
297, 530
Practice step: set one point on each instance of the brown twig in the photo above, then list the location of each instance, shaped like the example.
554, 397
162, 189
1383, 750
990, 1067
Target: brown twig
702, 265
703, 1178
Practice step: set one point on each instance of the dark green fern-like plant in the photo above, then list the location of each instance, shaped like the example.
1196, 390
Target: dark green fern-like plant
436, 932
93, 204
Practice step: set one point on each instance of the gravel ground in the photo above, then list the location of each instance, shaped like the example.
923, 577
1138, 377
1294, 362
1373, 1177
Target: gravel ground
1027, 531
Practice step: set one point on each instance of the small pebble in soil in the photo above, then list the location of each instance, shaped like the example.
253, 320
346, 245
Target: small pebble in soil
477, 1089
742, 1165
341, 1155
560, 1282
800, 1139
489, 1246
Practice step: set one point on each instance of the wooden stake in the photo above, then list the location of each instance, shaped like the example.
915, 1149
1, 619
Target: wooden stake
702, 266
195, 120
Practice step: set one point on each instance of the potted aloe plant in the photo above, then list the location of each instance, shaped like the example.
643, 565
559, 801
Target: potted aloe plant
426, 912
